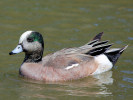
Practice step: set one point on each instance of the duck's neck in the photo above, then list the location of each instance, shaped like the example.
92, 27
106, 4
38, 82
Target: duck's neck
33, 57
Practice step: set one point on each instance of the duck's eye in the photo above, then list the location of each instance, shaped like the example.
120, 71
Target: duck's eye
30, 39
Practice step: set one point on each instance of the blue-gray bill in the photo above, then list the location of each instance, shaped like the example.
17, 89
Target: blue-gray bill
18, 49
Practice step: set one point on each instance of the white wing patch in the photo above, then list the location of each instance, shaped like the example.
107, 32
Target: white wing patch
73, 65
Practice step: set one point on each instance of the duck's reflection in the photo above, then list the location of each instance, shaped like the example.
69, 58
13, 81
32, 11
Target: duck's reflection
104, 78
90, 86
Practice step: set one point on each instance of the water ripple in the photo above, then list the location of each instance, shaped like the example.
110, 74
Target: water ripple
127, 72
127, 79
130, 38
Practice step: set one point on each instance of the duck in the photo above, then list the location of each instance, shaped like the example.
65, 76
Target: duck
92, 58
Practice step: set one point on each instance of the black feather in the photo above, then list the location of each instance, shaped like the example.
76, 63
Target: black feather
98, 50
92, 42
100, 43
114, 55
98, 36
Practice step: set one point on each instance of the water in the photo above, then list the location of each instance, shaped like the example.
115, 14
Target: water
66, 23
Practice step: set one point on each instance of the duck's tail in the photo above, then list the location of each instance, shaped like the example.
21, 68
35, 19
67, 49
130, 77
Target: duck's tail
100, 47
114, 54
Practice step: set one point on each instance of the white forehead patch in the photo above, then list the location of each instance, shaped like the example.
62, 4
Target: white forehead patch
24, 35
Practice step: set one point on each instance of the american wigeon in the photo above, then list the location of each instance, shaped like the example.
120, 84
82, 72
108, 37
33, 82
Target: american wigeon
92, 58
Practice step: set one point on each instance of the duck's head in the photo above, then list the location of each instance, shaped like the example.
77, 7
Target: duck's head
32, 44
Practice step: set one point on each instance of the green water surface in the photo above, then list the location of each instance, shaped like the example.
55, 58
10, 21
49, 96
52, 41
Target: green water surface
63, 24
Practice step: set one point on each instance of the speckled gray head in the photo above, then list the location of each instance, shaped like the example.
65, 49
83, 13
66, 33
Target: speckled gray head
29, 42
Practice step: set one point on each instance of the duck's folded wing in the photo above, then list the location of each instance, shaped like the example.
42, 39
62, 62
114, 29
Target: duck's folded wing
65, 61
67, 58
74, 56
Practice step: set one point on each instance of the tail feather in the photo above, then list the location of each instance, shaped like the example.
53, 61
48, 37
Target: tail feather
122, 49
114, 54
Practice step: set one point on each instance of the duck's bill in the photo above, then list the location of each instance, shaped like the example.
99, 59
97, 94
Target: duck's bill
18, 49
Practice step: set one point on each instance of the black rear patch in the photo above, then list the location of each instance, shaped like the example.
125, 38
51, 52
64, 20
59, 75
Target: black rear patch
113, 56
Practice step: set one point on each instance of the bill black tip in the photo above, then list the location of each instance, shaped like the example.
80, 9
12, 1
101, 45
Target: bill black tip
11, 53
